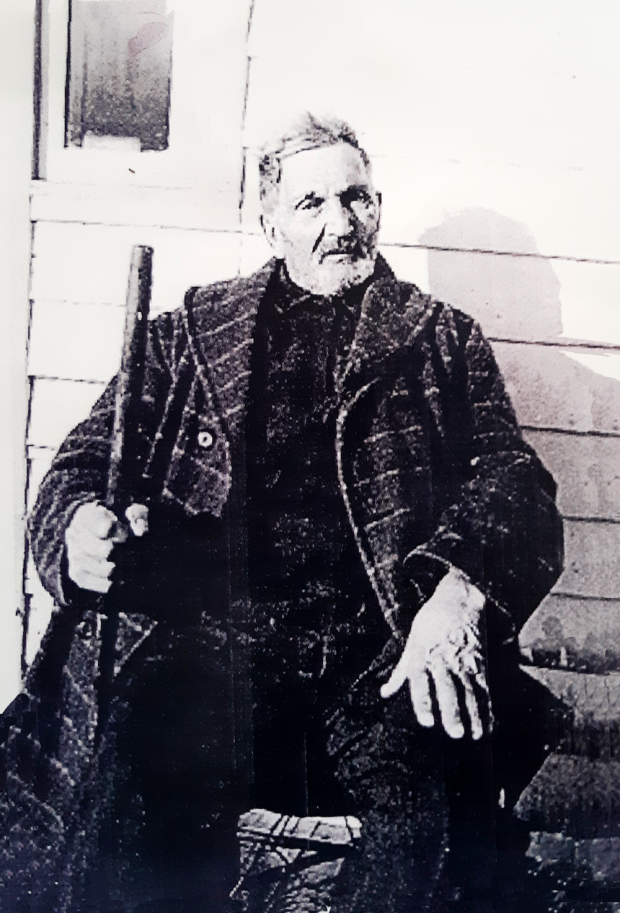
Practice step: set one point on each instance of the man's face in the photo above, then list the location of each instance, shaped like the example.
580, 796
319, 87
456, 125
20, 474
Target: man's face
325, 221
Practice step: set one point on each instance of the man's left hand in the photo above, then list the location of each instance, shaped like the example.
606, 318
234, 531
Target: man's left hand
444, 645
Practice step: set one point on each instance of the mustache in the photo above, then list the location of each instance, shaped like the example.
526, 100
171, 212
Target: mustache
352, 248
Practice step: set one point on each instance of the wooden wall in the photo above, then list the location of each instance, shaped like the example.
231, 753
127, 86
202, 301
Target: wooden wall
494, 141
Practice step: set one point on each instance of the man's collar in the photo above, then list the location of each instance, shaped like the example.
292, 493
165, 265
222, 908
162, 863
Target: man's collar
288, 294
392, 315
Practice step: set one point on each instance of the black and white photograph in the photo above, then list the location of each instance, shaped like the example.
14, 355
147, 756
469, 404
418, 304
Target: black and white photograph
310, 549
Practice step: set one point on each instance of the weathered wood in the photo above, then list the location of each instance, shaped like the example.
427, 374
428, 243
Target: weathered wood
590, 697
551, 390
596, 861
587, 470
292, 863
583, 716
592, 563
56, 406
575, 796
574, 633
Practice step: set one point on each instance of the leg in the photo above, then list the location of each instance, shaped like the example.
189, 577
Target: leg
393, 772
171, 831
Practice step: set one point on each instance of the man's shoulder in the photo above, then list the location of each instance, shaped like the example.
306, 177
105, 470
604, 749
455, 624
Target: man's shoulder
217, 302
414, 313
241, 288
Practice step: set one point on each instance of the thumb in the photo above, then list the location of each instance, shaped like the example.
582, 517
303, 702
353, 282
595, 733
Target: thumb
138, 517
395, 681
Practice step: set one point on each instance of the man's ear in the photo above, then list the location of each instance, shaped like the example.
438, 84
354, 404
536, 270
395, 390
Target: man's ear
272, 233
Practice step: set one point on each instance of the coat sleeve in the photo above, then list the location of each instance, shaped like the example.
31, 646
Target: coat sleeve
79, 471
500, 524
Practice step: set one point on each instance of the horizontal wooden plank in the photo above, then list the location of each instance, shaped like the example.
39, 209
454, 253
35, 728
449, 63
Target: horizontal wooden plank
574, 633
592, 560
57, 406
467, 132
75, 341
109, 204
551, 389
586, 469
90, 263
524, 297
595, 698
39, 460
575, 796
589, 293
582, 712
596, 861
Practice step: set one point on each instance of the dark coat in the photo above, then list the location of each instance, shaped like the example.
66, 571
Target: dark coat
432, 466
433, 469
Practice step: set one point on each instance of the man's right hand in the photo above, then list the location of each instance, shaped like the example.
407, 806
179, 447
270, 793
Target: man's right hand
90, 538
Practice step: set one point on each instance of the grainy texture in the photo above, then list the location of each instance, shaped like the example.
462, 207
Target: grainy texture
572, 632
561, 199
423, 409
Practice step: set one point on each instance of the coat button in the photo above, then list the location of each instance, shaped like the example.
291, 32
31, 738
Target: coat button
205, 440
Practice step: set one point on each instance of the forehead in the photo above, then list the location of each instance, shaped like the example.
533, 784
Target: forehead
329, 169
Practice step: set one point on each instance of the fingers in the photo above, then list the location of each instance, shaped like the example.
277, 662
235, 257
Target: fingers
93, 518
421, 700
478, 704
89, 540
97, 581
447, 701
87, 571
447, 684
397, 678
473, 711
409, 668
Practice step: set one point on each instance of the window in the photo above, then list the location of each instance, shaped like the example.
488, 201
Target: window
118, 79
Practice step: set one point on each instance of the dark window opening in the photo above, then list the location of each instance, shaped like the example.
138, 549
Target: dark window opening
118, 74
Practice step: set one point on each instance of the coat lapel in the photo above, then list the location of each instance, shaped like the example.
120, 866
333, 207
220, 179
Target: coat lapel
222, 329
210, 388
392, 318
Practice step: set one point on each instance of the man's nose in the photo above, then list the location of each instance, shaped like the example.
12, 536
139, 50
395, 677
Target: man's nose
339, 220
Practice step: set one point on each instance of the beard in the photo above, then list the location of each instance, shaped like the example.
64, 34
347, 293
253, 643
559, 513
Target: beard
333, 272
337, 276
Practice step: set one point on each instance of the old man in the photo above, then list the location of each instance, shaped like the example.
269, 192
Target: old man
337, 530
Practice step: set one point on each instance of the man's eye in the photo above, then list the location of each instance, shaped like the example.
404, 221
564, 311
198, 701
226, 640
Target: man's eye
357, 195
310, 203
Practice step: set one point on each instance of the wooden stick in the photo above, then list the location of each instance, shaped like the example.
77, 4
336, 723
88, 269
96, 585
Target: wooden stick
120, 471
131, 374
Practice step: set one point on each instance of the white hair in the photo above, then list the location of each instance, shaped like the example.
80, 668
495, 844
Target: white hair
307, 132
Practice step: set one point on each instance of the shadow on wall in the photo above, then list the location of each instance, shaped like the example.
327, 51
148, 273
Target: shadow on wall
513, 297
569, 412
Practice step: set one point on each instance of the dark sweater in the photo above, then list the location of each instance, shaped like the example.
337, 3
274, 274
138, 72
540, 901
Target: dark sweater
306, 575
315, 621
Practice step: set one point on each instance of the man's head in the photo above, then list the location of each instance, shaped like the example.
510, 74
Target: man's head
320, 209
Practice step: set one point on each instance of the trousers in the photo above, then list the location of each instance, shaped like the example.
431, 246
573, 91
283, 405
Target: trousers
432, 831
